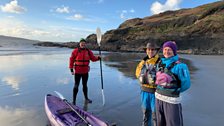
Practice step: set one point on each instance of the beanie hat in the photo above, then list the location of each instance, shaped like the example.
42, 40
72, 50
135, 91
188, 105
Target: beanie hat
82, 40
172, 45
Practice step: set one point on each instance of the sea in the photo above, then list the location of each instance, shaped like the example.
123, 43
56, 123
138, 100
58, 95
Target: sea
28, 75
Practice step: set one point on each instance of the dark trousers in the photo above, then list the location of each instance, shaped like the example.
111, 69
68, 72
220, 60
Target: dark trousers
84, 78
168, 114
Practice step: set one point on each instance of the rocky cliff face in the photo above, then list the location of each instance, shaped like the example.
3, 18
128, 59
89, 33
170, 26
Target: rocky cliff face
197, 30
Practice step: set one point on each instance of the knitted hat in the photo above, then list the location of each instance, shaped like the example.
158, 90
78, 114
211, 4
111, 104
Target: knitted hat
172, 45
82, 40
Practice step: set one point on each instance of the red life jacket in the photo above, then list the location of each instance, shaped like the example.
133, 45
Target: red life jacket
80, 59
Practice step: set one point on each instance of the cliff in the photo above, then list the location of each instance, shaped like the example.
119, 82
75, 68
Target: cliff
197, 30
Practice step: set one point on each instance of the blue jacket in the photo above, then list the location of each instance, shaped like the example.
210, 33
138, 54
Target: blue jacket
181, 70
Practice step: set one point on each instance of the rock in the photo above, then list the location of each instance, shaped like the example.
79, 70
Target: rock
200, 28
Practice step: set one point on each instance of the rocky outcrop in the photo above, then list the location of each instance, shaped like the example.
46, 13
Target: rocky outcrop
49, 44
199, 30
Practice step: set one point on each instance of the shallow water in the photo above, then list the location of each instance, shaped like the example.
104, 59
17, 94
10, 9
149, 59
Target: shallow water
26, 78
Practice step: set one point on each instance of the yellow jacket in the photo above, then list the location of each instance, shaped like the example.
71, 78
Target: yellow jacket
151, 61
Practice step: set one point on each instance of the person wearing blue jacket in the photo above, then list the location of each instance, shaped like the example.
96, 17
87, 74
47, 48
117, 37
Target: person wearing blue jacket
172, 78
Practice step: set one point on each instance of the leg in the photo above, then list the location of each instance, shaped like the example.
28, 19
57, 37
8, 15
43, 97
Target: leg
152, 101
146, 109
173, 114
85, 88
154, 118
76, 87
160, 118
146, 117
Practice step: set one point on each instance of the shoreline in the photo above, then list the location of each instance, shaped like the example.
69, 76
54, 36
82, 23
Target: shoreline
54, 48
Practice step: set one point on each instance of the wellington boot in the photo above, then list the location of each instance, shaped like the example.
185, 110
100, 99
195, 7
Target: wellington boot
88, 101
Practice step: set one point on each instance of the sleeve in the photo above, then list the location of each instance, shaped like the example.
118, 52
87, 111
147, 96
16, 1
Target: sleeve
139, 68
184, 76
72, 59
92, 57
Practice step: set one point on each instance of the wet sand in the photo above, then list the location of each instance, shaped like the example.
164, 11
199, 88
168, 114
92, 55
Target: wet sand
27, 78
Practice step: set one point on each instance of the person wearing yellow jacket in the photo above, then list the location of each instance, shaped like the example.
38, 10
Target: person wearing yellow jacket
146, 73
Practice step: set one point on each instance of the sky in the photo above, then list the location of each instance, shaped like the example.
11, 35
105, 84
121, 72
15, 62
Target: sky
70, 20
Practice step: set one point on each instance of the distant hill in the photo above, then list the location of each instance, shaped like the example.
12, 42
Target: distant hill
198, 30
14, 42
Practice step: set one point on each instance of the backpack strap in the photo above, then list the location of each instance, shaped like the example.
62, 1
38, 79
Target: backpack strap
173, 64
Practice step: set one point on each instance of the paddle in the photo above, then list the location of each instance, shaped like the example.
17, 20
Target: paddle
73, 109
98, 35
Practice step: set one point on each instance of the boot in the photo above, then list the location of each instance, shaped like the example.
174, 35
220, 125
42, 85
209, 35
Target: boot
75, 92
145, 117
87, 100
154, 119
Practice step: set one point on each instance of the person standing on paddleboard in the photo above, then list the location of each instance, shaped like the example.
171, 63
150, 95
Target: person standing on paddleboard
146, 73
172, 78
79, 66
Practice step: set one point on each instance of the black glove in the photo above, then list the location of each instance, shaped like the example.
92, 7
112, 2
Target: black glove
71, 70
99, 58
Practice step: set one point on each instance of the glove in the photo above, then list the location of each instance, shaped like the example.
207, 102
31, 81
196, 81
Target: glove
99, 58
72, 71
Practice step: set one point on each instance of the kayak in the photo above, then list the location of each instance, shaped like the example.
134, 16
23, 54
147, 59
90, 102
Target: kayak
60, 113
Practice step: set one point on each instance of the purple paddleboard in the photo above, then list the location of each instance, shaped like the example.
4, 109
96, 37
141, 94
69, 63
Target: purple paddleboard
60, 114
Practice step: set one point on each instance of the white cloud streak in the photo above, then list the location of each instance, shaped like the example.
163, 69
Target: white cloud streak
13, 27
13, 7
13, 81
124, 13
63, 9
76, 17
18, 116
157, 7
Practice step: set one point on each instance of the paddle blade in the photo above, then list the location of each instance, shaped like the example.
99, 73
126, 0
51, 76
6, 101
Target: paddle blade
103, 98
98, 35
60, 95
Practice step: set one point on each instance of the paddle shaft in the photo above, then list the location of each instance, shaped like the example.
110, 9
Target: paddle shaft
101, 71
73, 109
76, 112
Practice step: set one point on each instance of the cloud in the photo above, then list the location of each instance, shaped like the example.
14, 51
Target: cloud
80, 17
11, 26
157, 7
124, 13
76, 17
63, 9
13, 81
13, 7
19, 116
